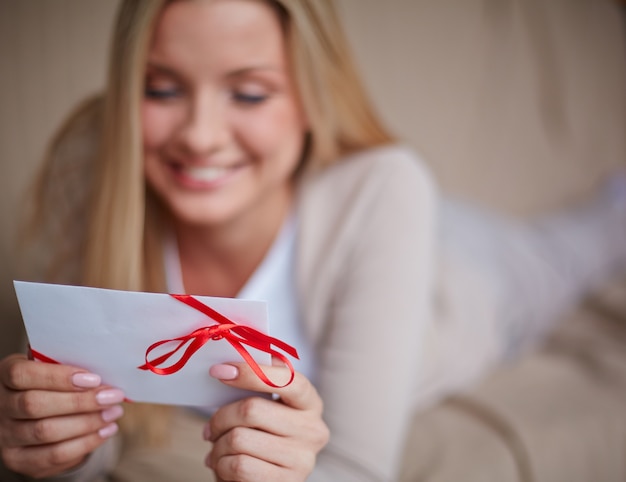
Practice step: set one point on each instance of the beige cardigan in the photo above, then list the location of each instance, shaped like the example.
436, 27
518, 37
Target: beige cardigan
400, 318
365, 253
365, 263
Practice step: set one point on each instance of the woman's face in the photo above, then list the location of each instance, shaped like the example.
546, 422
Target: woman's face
222, 128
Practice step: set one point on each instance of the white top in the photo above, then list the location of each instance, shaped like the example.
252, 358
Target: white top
273, 282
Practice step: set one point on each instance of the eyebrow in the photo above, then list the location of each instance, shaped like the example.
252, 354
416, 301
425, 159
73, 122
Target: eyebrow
233, 74
247, 70
160, 67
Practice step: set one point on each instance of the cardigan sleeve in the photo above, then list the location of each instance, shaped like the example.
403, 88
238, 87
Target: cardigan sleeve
373, 223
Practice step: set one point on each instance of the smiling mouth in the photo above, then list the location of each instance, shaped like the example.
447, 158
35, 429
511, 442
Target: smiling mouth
206, 174
203, 176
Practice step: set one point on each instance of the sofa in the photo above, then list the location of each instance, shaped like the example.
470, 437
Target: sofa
519, 106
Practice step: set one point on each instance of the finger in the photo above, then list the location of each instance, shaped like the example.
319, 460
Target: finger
57, 429
299, 394
244, 468
47, 460
19, 373
262, 414
37, 404
276, 450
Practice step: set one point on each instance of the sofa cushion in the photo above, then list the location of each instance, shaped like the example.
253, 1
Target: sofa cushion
557, 415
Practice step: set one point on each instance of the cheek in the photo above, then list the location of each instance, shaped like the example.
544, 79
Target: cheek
275, 132
157, 125
156, 128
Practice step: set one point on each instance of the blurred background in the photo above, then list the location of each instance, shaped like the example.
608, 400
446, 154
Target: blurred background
516, 104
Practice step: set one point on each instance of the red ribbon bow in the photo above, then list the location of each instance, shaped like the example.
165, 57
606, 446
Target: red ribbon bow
236, 335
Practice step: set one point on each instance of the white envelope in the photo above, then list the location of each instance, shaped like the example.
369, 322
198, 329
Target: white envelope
108, 332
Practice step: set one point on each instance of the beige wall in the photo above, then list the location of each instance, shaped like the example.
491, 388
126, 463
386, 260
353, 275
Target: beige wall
52, 53
519, 104
491, 91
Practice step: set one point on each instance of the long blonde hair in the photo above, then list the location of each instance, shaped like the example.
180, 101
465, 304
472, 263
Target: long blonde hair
341, 117
122, 220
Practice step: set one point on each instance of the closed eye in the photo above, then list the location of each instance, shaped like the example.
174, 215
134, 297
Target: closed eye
249, 99
161, 94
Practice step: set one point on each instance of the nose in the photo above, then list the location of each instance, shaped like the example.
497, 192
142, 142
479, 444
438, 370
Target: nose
204, 129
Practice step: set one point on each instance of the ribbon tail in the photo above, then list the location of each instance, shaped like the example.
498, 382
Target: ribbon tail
237, 345
264, 341
41, 357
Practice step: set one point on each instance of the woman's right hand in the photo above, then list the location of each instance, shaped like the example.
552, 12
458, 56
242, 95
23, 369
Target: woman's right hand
52, 416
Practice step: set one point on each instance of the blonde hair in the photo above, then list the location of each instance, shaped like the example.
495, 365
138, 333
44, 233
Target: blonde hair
341, 117
116, 255
122, 223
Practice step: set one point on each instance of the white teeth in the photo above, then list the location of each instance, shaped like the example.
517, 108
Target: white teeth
209, 173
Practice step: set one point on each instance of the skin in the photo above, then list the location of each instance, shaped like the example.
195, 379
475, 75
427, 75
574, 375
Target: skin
220, 98
222, 135
260, 439
48, 424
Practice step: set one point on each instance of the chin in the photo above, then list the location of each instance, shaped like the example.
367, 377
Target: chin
199, 216
199, 220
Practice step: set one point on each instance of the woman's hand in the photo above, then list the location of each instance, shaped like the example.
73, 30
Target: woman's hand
52, 416
260, 439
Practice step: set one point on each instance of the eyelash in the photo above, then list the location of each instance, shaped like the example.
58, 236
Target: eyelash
238, 97
161, 94
248, 99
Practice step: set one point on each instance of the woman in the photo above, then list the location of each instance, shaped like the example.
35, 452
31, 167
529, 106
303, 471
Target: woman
235, 154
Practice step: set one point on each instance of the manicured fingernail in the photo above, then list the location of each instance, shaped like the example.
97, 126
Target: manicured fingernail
224, 372
86, 380
113, 413
110, 396
108, 431
207, 432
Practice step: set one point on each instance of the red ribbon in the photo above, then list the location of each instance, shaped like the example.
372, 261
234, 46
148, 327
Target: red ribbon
40, 356
43, 358
237, 335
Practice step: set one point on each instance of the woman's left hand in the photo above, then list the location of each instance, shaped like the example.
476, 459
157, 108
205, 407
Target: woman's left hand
261, 439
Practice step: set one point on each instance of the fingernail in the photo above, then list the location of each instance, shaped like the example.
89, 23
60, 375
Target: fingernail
207, 432
113, 413
108, 431
224, 372
86, 380
110, 396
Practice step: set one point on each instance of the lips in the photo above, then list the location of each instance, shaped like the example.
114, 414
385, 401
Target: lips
206, 174
198, 177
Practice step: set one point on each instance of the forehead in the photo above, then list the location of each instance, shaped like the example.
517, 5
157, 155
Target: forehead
224, 33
